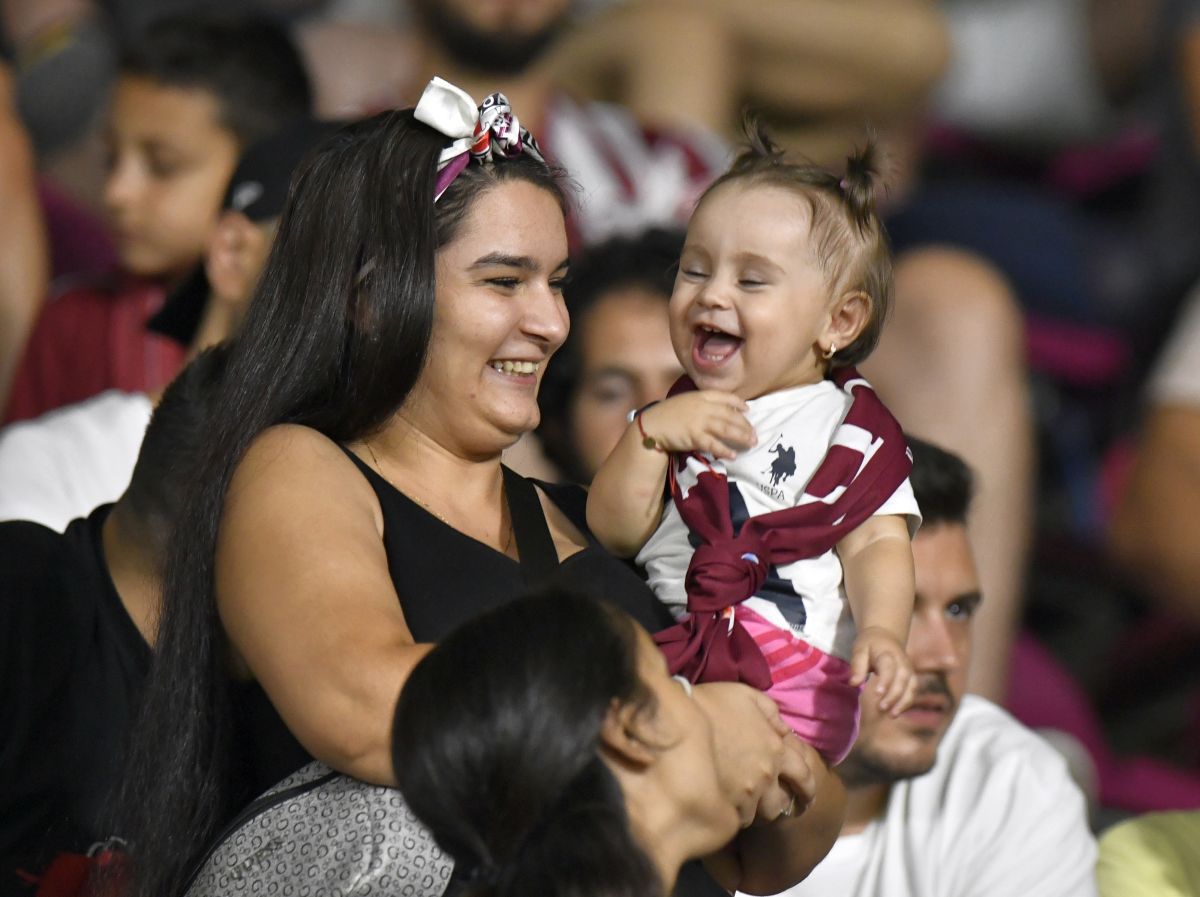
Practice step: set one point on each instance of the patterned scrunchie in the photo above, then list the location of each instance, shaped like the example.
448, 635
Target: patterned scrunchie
482, 132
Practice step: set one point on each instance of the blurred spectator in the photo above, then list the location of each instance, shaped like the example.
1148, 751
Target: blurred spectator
76, 626
951, 367
1153, 529
630, 176
618, 355
24, 262
193, 92
1151, 856
819, 67
61, 465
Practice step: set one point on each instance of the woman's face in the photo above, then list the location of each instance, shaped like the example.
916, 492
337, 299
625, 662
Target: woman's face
685, 753
498, 317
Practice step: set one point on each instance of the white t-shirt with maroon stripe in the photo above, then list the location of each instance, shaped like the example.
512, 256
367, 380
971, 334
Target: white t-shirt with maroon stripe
808, 597
630, 177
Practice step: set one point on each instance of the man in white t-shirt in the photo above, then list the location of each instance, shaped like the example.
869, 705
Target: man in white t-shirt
954, 798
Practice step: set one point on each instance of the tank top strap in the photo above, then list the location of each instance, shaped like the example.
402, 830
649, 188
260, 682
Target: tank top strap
535, 545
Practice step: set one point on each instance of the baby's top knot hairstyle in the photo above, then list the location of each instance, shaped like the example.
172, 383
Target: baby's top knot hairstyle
848, 238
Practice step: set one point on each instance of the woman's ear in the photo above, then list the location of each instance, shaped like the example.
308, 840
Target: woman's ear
847, 319
622, 734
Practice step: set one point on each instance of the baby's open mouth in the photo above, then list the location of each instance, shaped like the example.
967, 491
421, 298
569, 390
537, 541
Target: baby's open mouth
714, 345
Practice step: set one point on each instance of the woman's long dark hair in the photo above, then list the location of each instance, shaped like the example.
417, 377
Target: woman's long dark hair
496, 749
335, 339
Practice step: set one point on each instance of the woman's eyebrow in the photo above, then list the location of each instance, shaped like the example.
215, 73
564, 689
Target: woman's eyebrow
504, 260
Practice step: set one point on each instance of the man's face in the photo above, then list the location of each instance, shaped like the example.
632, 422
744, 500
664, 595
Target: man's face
495, 36
626, 361
939, 645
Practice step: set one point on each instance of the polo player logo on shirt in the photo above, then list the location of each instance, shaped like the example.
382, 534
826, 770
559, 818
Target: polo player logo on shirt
784, 464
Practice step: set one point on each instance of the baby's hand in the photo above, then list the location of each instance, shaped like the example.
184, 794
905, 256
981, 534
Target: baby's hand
707, 420
878, 651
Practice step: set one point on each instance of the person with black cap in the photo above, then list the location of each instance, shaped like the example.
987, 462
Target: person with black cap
62, 465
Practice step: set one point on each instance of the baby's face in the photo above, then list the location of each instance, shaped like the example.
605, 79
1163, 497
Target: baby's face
170, 160
750, 312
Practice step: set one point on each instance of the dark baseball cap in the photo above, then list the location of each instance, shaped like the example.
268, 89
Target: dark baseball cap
257, 189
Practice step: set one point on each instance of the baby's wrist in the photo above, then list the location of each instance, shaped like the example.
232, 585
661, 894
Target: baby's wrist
636, 417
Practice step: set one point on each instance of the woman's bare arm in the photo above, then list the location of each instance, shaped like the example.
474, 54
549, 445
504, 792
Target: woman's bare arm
306, 599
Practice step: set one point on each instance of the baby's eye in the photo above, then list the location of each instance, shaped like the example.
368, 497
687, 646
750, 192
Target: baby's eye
751, 282
694, 273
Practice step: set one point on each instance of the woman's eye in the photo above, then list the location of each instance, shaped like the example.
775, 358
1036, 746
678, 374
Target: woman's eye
504, 283
560, 284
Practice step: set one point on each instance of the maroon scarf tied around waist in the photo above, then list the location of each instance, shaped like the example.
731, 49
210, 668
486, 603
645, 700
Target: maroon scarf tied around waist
867, 461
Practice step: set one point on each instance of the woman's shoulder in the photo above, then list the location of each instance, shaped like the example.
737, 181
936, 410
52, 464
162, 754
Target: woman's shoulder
291, 462
290, 450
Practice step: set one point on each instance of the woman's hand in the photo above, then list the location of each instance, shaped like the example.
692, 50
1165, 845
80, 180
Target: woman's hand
753, 750
799, 776
706, 420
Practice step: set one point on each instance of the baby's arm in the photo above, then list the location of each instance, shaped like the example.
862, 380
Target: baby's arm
625, 499
878, 563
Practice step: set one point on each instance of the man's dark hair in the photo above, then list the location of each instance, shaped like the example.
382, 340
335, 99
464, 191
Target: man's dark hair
645, 261
941, 482
248, 62
172, 449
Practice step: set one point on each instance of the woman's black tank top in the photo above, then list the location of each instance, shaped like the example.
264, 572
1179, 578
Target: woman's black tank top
444, 578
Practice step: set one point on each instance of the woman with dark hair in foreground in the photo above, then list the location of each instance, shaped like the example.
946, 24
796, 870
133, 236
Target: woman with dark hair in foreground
549, 751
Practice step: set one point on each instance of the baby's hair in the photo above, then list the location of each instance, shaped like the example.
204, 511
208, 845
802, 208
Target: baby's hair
850, 243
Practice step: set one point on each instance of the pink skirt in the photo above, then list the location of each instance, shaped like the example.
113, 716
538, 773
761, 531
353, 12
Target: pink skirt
812, 688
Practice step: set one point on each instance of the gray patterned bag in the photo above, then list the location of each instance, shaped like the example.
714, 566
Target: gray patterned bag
319, 833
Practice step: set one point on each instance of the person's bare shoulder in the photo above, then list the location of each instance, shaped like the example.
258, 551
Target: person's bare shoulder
290, 463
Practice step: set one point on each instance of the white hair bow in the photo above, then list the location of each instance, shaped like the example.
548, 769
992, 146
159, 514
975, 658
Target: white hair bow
482, 132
